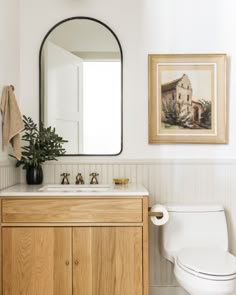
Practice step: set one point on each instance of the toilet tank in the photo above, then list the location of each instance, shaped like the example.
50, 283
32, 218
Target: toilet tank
193, 226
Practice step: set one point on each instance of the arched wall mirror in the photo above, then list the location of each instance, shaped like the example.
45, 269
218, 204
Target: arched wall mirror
80, 72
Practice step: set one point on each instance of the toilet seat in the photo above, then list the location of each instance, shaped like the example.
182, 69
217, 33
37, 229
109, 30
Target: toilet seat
208, 263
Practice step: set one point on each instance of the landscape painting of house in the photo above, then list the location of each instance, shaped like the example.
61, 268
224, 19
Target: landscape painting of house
181, 109
187, 98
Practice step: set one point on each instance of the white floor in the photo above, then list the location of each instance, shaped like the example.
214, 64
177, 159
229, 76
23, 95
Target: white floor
167, 291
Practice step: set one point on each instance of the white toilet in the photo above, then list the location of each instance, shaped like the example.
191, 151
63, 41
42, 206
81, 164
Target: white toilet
195, 239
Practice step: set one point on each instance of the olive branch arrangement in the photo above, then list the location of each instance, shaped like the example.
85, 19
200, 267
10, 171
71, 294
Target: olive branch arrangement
44, 144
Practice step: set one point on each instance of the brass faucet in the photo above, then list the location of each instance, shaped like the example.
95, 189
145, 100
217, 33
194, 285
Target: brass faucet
65, 179
94, 178
79, 179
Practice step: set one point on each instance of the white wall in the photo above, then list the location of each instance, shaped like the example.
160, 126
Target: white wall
9, 74
150, 26
143, 27
9, 51
189, 26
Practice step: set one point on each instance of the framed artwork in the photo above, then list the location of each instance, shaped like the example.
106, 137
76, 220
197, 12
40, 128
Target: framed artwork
187, 98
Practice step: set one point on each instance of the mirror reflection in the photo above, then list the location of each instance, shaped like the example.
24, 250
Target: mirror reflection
81, 86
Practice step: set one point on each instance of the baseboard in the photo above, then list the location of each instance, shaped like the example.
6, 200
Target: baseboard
166, 291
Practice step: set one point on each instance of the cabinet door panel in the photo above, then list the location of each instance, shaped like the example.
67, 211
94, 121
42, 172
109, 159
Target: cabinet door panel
37, 261
107, 261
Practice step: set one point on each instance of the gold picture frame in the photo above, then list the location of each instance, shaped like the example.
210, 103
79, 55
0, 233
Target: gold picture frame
187, 98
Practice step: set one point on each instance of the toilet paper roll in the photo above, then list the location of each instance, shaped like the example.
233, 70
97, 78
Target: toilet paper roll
159, 221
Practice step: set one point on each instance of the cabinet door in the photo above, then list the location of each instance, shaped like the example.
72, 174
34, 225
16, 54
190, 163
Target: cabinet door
107, 261
37, 261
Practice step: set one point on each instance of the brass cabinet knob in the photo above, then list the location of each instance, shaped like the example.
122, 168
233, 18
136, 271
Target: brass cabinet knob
76, 262
67, 262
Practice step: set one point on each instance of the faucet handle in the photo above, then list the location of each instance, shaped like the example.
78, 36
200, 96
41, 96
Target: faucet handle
65, 179
93, 174
94, 178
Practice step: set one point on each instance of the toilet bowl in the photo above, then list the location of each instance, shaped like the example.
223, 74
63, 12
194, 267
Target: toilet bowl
195, 240
206, 271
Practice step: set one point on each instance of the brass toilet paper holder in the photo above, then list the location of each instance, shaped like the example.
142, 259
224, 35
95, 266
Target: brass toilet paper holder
158, 215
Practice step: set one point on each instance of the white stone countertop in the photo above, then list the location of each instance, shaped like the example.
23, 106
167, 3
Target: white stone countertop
47, 190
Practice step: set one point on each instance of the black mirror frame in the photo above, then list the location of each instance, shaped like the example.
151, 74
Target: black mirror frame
40, 72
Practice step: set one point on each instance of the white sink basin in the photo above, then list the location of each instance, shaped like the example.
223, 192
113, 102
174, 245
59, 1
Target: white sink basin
75, 188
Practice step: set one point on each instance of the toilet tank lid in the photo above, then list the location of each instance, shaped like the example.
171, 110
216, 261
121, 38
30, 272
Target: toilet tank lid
194, 208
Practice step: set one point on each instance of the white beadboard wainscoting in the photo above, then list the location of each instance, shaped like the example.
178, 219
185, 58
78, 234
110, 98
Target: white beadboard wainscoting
9, 174
168, 181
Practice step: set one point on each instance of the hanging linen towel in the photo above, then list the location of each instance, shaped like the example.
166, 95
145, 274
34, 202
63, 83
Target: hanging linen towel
12, 123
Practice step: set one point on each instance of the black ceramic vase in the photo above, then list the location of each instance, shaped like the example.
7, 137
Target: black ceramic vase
34, 175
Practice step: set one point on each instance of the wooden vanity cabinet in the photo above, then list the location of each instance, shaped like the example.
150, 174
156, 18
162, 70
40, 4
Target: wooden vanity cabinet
52, 252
